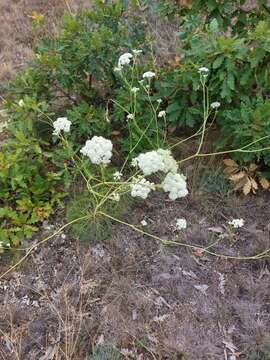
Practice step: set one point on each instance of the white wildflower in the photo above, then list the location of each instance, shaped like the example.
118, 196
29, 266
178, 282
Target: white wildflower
150, 162
134, 162
141, 82
144, 223
181, 224
162, 114
21, 103
61, 124
169, 163
154, 161
124, 59
141, 187
117, 175
136, 52
222, 283
116, 197
175, 185
148, 75
236, 223
215, 105
98, 149
159, 101
203, 70
130, 117
134, 90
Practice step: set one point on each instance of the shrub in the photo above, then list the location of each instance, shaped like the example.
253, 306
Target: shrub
124, 105
238, 78
234, 15
79, 64
30, 188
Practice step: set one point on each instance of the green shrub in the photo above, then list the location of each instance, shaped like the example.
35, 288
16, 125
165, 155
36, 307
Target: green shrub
30, 188
74, 75
239, 78
79, 64
230, 14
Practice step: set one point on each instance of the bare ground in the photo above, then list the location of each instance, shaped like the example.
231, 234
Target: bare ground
149, 300
17, 34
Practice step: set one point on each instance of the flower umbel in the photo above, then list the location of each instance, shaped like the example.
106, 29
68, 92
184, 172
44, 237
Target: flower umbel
175, 185
130, 117
124, 59
98, 149
117, 175
144, 223
61, 124
21, 103
215, 105
149, 75
181, 224
162, 113
141, 187
136, 52
154, 161
237, 223
203, 70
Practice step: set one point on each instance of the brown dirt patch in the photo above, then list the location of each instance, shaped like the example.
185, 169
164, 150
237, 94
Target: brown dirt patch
17, 34
150, 300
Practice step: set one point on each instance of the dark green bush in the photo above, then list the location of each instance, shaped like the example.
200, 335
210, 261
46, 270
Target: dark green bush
30, 188
239, 79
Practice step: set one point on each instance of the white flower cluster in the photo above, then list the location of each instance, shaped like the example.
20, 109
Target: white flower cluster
130, 117
60, 124
203, 70
162, 113
215, 105
181, 224
124, 59
98, 149
148, 75
236, 223
175, 185
134, 90
141, 187
136, 51
21, 103
117, 176
154, 161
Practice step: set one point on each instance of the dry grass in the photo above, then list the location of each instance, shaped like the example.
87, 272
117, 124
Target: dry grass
17, 34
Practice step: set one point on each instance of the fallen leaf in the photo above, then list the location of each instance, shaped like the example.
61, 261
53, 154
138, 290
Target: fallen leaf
247, 187
252, 167
230, 162
231, 170
253, 183
264, 183
198, 253
237, 176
